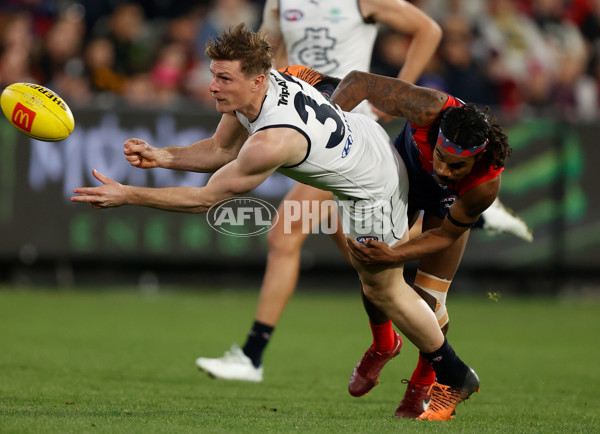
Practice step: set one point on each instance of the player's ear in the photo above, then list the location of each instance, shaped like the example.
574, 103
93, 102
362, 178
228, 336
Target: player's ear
258, 81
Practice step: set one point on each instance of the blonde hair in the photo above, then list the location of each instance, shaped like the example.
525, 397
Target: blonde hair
239, 43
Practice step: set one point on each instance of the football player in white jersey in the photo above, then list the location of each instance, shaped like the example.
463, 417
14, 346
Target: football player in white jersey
333, 37
272, 122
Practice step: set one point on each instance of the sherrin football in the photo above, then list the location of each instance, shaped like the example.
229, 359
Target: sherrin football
37, 111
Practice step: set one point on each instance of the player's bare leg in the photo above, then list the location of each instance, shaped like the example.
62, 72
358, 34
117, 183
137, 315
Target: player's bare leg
386, 342
284, 241
434, 275
387, 290
283, 260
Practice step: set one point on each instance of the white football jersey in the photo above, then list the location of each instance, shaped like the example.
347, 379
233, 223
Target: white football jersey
330, 36
348, 153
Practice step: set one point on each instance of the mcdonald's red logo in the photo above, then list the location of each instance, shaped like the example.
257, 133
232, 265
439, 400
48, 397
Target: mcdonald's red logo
23, 117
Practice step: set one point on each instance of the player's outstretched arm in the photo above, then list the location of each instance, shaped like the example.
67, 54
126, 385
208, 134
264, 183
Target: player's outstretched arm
206, 155
262, 154
112, 194
419, 105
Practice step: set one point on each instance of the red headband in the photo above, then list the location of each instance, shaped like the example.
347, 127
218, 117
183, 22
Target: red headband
455, 149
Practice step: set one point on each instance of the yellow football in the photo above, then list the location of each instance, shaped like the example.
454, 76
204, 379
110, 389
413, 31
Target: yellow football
37, 111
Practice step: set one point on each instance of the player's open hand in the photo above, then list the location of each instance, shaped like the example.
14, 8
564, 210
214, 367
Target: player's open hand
140, 154
373, 253
110, 194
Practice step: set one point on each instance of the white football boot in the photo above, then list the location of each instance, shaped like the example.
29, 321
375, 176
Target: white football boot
498, 219
234, 365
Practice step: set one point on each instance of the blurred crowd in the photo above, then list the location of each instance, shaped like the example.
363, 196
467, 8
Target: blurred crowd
534, 57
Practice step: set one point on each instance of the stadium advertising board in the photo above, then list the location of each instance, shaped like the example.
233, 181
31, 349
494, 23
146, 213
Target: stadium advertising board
549, 181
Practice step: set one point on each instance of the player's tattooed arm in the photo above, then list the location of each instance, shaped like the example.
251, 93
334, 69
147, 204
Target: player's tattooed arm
419, 105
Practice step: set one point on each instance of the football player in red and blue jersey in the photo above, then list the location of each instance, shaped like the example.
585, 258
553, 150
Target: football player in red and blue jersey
454, 154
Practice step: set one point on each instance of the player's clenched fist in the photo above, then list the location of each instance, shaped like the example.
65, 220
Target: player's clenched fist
140, 154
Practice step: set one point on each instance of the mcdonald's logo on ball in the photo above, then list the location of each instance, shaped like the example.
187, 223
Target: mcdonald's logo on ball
23, 117
37, 111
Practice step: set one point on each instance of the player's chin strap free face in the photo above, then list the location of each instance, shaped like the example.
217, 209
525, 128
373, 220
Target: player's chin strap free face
453, 148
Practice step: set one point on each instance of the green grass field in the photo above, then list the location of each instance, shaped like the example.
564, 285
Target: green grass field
112, 362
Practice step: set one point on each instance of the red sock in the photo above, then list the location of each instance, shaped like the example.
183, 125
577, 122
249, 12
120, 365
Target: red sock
423, 375
384, 337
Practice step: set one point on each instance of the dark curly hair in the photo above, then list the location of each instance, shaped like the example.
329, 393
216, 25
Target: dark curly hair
468, 126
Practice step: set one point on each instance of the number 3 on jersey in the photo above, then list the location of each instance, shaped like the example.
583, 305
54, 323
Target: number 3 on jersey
322, 112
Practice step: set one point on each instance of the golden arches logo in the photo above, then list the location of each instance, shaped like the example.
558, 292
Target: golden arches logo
23, 117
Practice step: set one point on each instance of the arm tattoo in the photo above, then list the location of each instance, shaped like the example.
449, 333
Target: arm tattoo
419, 105
370, 87
350, 92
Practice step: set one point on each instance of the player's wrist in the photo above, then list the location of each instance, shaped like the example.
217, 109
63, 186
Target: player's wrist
165, 158
395, 256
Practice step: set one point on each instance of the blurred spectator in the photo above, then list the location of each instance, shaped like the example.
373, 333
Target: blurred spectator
168, 72
183, 31
75, 89
577, 11
464, 76
442, 9
181, 35
197, 82
139, 92
100, 63
537, 57
14, 67
63, 47
389, 53
590, 23
16, 32
62, 66
567, 47
16, 42
518, 49
590, 28
132, 38
225, 13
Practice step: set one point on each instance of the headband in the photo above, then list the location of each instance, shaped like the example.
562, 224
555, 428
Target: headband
455, 149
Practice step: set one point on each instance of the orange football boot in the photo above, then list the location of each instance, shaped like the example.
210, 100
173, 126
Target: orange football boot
445, 399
